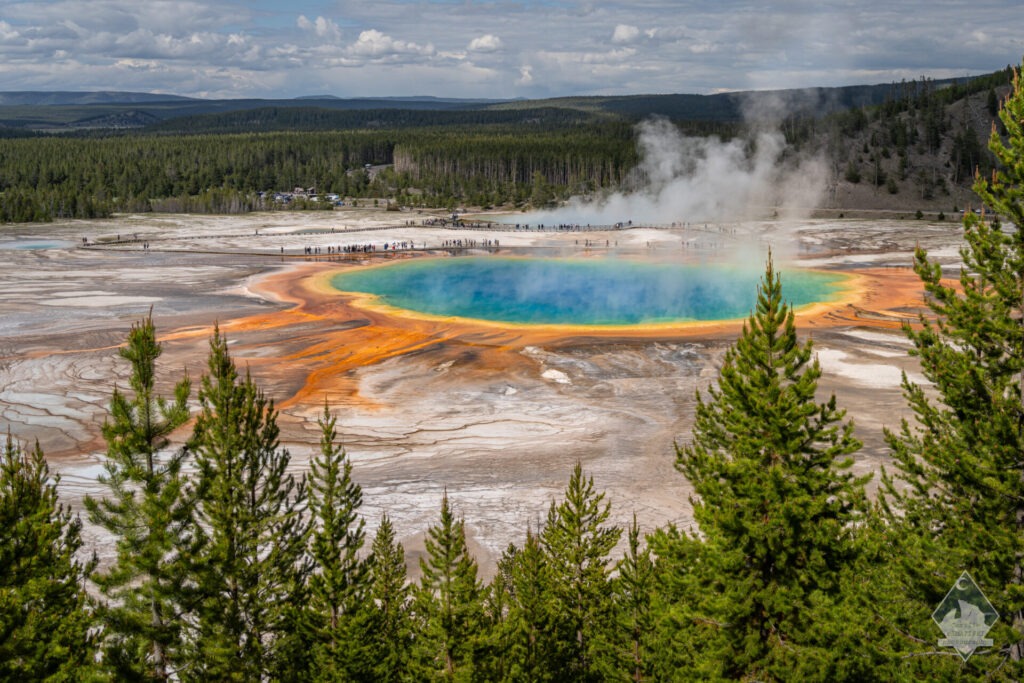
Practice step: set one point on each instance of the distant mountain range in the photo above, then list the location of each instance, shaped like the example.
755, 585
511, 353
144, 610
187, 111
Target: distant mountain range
51, 112
70, 98
34, 98
24, 112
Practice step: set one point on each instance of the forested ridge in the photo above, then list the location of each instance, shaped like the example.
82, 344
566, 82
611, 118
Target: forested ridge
921, 140
244, 571
52, 177
45, 178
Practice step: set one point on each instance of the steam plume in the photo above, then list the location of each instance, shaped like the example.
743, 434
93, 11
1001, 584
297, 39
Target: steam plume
688, 179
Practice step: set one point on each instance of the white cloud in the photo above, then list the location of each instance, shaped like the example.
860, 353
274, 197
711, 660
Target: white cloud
453, 55
7, 31
125, 16
137, 64
193, 47
485, 43
376, 45
667, 33
624, 33
323, 28
569, 59
529, 48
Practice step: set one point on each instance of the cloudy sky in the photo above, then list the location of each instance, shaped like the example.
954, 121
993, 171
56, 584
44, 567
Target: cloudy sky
495, 48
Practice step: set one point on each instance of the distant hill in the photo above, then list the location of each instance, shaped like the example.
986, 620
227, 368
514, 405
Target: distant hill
65, 98
918, 150
70, 111
63, 112
318, 118
414, 101
730, 107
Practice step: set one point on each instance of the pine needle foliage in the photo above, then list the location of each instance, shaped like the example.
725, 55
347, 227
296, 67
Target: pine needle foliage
530, 643
493, 662
634, 629
957, 496
577, 543
448, 606
251, 570
45, 619
338, 588
776, 506
148, 511
389, 631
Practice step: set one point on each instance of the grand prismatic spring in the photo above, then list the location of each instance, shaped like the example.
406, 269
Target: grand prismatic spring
594, 291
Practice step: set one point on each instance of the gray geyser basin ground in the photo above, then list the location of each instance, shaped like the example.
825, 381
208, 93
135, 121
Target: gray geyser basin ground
502, 442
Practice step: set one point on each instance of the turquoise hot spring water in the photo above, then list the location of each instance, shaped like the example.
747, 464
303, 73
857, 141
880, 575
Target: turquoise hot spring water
578, 291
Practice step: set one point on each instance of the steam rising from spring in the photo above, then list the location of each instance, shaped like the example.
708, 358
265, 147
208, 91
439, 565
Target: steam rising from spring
689, 179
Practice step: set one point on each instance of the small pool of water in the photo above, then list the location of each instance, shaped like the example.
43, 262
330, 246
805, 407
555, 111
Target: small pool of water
548, 291
33, 244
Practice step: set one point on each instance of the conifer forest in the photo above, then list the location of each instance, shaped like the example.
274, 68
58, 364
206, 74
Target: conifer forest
230, 566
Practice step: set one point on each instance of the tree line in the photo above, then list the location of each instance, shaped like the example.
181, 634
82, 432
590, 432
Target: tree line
267, 119
244, 571
57, 177
46, 178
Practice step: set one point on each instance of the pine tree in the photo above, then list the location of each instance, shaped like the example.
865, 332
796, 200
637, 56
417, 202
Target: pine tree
633, 590
776, 508
493, 655
148, 513
45, 619
388, 630
250, 571
447, 606
533, 651
957, 501
337, 606
577, 544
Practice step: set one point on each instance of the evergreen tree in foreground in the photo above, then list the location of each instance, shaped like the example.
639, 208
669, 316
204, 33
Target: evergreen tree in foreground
337, 610
958, 500
389, 630
251, 571
44, 616
533, 651
576, 544
447, 607
776, 508
633, 591
492, 654
148, 513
